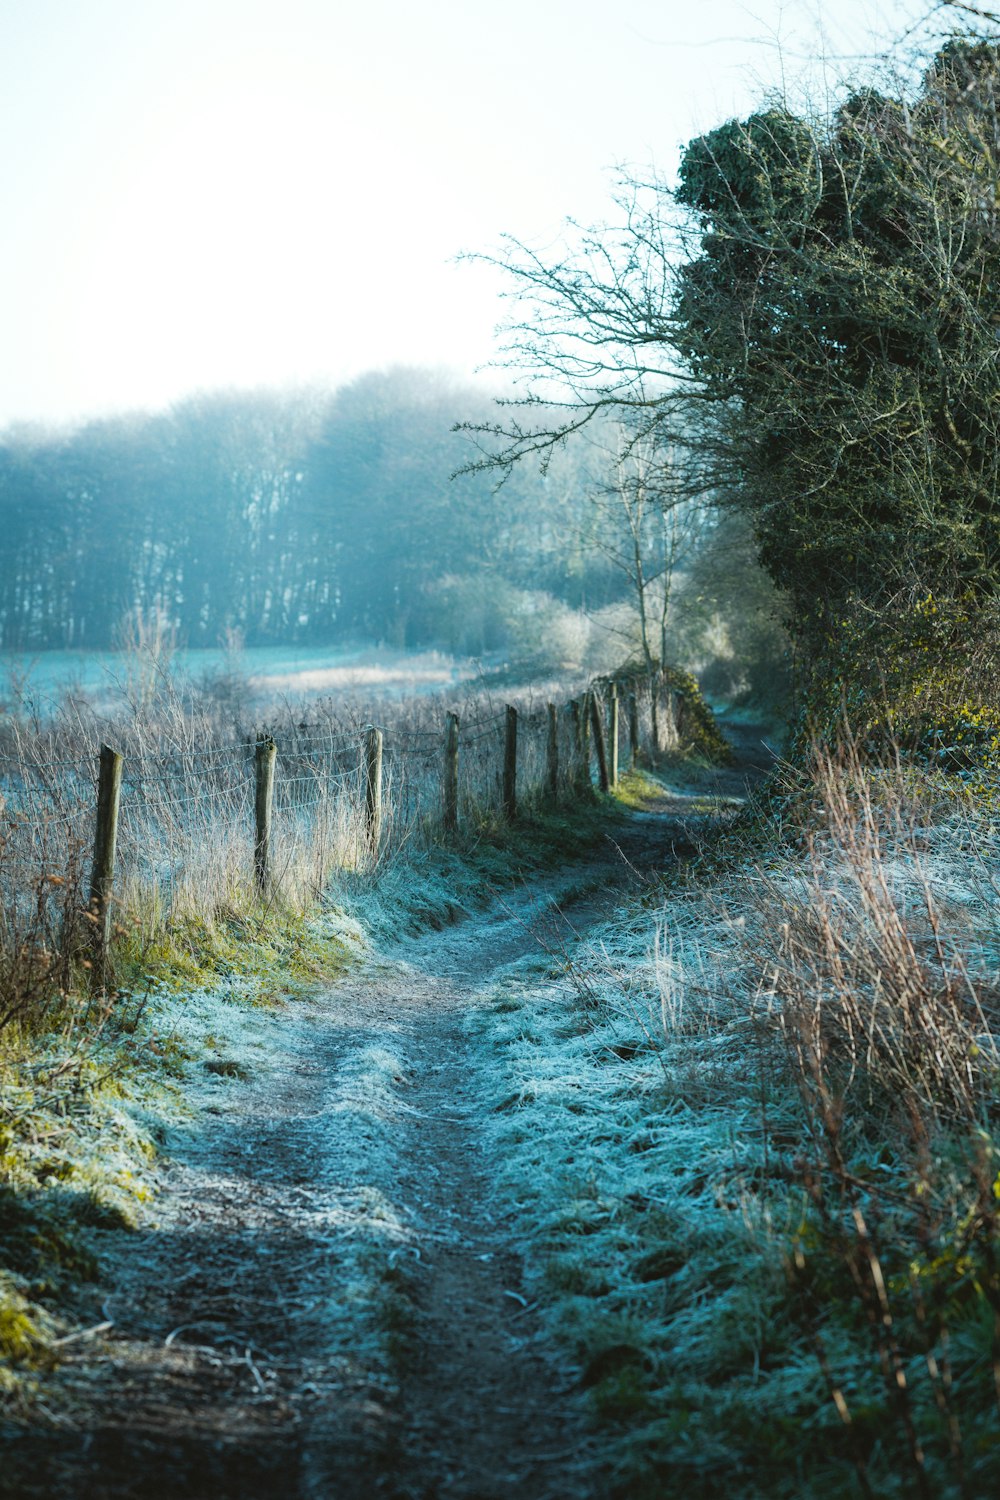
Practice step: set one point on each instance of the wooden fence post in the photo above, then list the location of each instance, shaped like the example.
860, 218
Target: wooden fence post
109, 785
671, 701
510, 765
633, 727
613, 734
597, 720
666, 710
373, 786
654, 710
552, 756
264, 758
451, 774
580, 710
574, 722
585, 741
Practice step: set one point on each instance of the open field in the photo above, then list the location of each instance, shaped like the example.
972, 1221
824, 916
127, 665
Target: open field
263, 675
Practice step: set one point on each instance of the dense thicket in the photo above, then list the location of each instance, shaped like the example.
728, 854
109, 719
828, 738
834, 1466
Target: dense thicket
812, 315
285, 519
842, 318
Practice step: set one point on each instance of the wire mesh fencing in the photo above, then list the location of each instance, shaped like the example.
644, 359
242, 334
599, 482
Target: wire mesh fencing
195, 826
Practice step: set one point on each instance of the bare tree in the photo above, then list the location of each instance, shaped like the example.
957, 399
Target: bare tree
650, 527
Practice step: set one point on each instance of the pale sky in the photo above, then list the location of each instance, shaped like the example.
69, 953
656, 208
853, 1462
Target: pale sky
214, 193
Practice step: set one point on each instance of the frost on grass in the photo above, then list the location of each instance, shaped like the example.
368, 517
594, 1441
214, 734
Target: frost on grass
667, 1155
630, 1164
82, 1134
301, 1167
179, 1059
75, 1153
337, 1142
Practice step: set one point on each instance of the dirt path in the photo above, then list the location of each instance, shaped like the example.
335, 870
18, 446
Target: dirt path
331, 1304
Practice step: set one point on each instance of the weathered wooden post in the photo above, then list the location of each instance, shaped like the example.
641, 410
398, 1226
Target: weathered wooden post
680, 714
585, 741
667, 711
373, 786
264, 758
654, 711
109, 787
597, 720
510, 765
613, 733
580, 710
670, 701
574, 714
451, 774
633, 727
552, 756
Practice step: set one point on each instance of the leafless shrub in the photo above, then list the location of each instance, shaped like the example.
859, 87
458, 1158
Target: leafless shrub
870, 988
889, 1022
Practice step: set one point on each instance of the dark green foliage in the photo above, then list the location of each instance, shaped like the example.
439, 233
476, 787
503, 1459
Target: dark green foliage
842, 317
814, 343
40, 1233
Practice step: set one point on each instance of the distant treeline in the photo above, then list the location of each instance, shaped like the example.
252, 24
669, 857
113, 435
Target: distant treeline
286, 518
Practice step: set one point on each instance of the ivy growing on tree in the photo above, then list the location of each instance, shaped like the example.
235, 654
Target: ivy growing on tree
842, 318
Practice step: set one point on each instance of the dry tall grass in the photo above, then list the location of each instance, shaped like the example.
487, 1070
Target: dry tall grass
186, 833
877, 971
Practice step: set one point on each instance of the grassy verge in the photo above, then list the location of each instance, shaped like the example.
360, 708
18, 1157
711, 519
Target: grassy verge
750, 1135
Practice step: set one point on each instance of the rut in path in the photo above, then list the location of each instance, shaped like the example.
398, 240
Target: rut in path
231, 1369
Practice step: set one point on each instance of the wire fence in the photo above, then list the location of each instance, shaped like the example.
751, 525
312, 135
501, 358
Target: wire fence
190, 822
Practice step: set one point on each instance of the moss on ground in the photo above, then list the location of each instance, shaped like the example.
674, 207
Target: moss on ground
74, 1163
638, 791
275, 945
25, 1341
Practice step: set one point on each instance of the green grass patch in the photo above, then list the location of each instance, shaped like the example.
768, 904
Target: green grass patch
279, 948
638, 791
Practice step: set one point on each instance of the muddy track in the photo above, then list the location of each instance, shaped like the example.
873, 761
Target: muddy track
241, 1361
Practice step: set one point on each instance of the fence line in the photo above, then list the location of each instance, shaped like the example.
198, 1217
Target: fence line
275, 790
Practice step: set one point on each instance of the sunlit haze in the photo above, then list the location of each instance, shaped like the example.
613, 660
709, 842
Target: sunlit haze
210, 193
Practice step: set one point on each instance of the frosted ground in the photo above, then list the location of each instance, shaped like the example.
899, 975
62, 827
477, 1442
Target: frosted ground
267, 673
509, 1210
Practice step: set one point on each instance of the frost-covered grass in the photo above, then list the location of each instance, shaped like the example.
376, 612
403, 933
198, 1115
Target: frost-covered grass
750, 1137
631, 1167
78, 1130
81, 1135
85, 1106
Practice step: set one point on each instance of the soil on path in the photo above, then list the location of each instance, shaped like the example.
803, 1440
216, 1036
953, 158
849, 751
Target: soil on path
231, 1368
